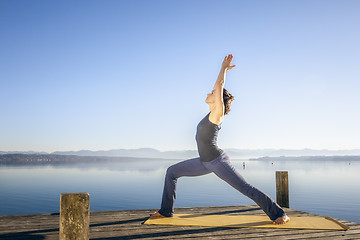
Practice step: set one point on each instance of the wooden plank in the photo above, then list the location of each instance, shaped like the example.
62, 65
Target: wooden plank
126, 224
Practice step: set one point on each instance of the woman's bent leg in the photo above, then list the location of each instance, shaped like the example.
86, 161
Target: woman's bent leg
191, 167
224, 170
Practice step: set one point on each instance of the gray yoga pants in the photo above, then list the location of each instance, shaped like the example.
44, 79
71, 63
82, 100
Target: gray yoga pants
222, 167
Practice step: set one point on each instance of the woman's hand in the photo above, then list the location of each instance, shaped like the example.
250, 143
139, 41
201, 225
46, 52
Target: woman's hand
226, 65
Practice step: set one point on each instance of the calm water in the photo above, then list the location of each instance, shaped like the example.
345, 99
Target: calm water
328, 188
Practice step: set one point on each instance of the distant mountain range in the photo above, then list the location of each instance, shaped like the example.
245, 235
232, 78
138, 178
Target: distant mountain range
57, 159
232, 152
54, 159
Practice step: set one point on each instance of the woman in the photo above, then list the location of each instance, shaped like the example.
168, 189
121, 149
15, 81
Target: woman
213, 159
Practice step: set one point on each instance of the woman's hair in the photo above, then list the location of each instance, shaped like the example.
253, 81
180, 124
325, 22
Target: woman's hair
228, 98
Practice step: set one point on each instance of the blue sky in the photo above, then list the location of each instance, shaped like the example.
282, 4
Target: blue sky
102, 75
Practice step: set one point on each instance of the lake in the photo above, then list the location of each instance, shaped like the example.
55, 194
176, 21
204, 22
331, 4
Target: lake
329, 188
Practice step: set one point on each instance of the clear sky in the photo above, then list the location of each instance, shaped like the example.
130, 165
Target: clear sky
102, 75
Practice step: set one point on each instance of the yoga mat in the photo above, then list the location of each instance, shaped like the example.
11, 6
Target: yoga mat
248, 221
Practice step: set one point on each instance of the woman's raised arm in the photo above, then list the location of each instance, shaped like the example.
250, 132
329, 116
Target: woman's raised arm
218, 113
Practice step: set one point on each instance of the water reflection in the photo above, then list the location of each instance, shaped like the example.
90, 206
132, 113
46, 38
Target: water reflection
323, 187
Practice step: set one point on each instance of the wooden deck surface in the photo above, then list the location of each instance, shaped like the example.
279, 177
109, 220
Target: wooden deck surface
127, 224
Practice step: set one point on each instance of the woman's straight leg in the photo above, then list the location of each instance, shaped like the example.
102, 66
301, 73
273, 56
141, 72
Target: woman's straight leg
189, 168
224, 170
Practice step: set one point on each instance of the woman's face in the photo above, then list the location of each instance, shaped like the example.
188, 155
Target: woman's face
210, 97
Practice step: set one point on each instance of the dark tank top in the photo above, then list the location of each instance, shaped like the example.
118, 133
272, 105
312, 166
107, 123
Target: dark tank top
206, 137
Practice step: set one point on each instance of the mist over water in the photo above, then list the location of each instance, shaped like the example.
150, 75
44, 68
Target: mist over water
327, 188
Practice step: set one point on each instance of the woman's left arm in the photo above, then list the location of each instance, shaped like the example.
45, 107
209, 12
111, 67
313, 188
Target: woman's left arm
218, 112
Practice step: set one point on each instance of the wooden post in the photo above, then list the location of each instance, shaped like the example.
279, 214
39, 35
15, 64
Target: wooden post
74, 216
282, 188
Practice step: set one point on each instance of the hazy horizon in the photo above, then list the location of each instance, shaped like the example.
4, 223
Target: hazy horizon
148, 149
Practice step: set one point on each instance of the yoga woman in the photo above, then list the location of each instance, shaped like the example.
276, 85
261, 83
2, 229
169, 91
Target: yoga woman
213, 159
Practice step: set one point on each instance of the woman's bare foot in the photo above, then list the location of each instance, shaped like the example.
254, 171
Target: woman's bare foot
156, 215
282, 220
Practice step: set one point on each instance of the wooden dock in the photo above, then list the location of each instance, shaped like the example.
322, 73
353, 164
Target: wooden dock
127, 224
